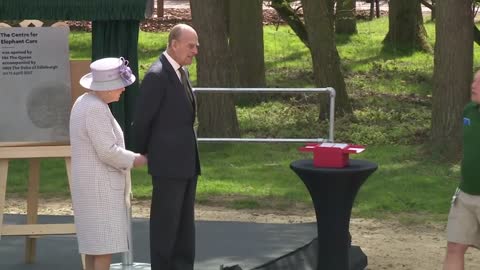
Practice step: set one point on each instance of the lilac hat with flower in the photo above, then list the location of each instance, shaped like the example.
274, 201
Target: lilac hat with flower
108, 74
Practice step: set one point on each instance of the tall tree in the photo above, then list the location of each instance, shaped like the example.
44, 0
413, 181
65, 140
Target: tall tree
434, 3
216, 112
292, 18
374, 9
431, 6
246, 42
326, 61
345, 21
405, 26
452, 74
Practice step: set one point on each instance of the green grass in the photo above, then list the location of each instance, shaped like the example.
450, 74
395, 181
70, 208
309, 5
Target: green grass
391, 96
367, 68
258, 176
407, 181
287, 60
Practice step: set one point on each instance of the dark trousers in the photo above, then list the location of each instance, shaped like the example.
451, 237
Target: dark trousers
172, 224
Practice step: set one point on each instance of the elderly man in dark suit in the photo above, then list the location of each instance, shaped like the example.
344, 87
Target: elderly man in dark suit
163, 126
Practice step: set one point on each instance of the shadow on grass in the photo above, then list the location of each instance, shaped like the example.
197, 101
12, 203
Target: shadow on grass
342, 39
293, 56
403, 50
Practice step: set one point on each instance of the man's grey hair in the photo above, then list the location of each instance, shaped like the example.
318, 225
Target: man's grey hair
177, 31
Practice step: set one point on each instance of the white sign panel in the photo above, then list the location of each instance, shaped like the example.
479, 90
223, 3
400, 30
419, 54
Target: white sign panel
34, 84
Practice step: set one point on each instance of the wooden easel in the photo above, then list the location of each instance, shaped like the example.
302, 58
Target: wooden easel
32, 230
34, 153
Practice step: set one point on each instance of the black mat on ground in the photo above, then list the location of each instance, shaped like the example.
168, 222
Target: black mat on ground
305, 258
218, 242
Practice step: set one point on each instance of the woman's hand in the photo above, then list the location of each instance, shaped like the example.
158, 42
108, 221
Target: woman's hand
140, 160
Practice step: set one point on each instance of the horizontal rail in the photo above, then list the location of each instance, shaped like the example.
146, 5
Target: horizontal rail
263, 90
262, 140
13, 152
37, 229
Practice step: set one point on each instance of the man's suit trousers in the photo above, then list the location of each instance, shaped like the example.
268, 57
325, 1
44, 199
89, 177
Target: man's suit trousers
172, 224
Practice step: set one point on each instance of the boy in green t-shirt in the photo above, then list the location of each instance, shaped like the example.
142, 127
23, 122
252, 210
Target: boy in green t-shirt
463, 228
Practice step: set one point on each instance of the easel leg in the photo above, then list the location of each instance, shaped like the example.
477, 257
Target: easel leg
32, 207
3, 188
68, 166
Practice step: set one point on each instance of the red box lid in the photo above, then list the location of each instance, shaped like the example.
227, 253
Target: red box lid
331, 154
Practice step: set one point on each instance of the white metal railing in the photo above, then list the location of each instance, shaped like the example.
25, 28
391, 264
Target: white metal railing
331, 124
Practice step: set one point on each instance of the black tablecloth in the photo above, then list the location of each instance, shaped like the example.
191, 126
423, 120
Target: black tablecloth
333, 191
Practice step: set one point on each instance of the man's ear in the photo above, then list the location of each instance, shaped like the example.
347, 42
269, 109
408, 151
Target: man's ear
174, 44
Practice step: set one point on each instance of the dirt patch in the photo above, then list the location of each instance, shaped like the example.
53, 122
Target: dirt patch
141, 209
388, 244
172, 16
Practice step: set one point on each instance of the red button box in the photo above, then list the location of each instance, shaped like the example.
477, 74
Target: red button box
331, 155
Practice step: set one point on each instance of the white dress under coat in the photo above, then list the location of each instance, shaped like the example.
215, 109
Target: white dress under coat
100, 177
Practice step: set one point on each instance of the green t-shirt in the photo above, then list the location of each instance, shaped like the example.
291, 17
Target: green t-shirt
470, 182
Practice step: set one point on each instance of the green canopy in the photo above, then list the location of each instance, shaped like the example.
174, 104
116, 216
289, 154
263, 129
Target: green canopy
115, 31
119, 38
88, 10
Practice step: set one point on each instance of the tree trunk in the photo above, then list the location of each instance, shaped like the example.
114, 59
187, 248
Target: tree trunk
345, 21
326, 61
452, 73
372, 9
160, 8
431, 6
216, 112
287, 14
434, 13
476, 34
246, 43
405, 26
